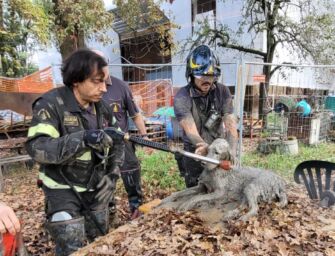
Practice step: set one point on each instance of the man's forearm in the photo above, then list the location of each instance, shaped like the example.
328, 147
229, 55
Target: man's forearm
139, 122
230, 122
191, 131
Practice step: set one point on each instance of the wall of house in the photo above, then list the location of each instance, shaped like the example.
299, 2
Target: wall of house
227, 13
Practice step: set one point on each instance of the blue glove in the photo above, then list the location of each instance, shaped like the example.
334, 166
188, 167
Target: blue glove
97, 139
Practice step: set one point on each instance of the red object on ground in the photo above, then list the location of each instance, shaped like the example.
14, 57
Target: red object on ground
9, 244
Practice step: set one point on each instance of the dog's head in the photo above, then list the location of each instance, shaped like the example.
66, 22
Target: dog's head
219, 150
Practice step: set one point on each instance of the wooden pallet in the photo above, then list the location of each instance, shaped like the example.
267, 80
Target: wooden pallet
156, 132
7, 127
252, 127
4, 162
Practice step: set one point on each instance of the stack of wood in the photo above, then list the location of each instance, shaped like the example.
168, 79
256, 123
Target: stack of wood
7, 127
155, 130
252, 127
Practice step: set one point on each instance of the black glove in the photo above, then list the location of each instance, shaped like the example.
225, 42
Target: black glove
97, 139
106, 189
116, 134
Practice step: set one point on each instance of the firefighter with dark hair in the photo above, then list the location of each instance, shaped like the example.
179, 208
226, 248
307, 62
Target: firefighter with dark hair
79, 162
204, 110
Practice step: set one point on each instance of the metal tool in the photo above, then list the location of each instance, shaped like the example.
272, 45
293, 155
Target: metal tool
117, 134
223, 164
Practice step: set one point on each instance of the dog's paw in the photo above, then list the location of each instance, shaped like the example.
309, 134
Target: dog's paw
186, 206
231, 215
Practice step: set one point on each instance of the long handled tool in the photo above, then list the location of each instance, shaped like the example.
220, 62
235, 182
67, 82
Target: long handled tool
117, 134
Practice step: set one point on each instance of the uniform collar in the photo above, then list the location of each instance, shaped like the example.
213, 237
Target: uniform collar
70, 100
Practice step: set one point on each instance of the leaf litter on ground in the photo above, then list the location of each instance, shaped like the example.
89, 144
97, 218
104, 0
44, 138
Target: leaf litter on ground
302, 228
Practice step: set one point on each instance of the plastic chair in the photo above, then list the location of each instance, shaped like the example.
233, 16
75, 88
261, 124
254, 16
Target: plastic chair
319, 179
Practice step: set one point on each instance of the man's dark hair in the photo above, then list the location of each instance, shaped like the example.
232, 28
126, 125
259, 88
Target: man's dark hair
80, 65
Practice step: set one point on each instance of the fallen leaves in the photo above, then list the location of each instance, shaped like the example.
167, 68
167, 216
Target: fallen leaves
159, 233
302, 228
22, 194
294, 230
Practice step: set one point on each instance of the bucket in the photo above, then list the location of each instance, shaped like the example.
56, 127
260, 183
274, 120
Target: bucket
304, 108
173, 129
290, 147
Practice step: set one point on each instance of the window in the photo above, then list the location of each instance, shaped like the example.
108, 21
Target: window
203, 6
203, 10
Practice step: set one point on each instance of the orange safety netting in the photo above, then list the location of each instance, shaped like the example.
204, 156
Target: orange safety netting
150, 95
38, 82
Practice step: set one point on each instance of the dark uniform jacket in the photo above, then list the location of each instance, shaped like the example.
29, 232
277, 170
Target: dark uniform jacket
121, 101
189, 103
55, 140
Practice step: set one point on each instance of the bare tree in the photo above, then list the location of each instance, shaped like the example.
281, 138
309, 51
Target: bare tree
304, 27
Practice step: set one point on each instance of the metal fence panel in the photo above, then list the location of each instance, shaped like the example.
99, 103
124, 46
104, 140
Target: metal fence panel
298, 107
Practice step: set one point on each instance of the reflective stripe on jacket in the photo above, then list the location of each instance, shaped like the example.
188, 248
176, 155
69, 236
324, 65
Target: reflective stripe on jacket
55, 140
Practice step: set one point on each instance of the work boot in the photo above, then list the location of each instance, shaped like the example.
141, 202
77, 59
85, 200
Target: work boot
134, 204
135, 214
132, 183
92, 231
68, 235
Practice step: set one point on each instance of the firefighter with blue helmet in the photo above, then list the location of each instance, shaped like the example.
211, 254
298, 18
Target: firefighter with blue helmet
204, 110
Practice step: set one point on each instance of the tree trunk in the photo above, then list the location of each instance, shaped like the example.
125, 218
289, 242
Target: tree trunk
71, 44
1, 15
263, 95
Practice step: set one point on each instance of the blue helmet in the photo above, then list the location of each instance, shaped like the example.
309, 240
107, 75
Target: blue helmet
202, 62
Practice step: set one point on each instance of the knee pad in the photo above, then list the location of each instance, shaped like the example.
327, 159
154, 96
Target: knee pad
61, 216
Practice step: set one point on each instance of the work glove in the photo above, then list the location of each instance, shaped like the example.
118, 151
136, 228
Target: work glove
106, 188
116, 134
97, 139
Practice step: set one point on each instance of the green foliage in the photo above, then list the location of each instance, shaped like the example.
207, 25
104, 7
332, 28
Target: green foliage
146, 14
27, 23
23, 23
160, 170
87, 18
285, 164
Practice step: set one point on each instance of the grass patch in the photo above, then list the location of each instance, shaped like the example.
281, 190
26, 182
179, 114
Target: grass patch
160, 170
285, 164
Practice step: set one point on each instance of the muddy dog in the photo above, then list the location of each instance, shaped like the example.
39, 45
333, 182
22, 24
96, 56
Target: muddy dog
246, 185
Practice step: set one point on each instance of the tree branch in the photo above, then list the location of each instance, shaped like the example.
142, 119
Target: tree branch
242, 49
